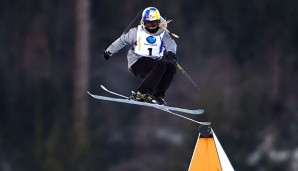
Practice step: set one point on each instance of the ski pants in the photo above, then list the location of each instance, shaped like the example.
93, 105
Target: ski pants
157, 75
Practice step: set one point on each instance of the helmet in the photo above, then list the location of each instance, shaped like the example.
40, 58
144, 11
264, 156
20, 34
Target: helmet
150, 18
150, 14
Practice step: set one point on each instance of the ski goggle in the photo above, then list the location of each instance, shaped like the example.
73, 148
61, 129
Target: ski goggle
151, 24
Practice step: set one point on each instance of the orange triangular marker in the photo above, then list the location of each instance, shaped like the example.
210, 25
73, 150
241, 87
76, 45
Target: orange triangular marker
208, 154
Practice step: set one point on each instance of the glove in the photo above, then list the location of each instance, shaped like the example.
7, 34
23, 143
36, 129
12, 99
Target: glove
106, 54
171, 56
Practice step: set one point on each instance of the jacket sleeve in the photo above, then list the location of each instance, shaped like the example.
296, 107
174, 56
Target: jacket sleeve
125, 39
169, 43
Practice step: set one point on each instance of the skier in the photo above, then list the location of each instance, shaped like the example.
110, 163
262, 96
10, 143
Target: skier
148, 40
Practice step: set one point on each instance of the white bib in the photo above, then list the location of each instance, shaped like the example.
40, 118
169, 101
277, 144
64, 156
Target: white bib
148, 45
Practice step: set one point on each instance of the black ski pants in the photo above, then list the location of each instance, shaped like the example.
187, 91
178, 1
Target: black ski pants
157, 74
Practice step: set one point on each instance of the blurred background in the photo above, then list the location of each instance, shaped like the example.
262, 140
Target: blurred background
242, 54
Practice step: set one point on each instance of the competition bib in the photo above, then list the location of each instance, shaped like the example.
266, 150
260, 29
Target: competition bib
148, 45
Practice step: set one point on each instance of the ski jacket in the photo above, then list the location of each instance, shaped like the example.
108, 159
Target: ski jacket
130, 38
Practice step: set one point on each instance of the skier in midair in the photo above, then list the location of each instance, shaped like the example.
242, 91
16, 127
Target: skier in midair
149, 40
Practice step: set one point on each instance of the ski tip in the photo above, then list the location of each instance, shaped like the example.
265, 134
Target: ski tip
205, 123
89, 93
103, 87
199, 111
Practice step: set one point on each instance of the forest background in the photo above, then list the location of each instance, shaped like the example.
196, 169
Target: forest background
242, 54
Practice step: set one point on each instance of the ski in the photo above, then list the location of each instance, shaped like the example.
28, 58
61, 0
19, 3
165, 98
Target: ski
166, 110
195, 112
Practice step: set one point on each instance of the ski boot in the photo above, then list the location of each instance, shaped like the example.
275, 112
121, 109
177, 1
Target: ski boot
142, 97
159, 100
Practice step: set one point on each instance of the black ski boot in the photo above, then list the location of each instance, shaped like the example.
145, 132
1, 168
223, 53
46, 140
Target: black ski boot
160, 100
142, 97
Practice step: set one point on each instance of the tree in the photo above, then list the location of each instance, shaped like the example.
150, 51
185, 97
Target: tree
81, 67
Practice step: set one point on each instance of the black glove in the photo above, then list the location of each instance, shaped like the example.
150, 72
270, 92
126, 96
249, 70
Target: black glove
171, 56
106, 54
